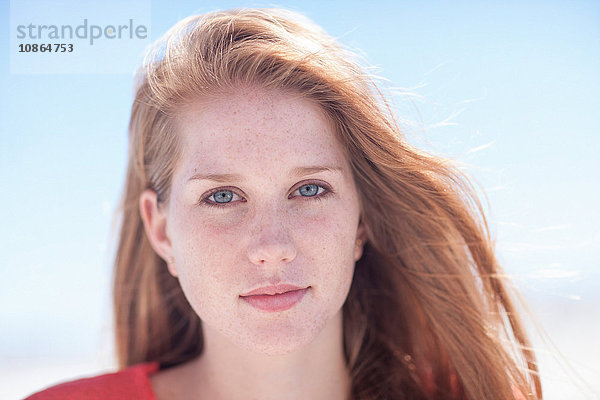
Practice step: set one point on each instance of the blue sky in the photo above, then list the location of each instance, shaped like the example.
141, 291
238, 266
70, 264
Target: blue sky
510, 88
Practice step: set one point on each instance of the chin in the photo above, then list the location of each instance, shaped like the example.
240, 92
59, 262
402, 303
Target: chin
276, 346
280, 339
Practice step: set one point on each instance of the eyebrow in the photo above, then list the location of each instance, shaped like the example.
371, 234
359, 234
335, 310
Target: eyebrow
297, 171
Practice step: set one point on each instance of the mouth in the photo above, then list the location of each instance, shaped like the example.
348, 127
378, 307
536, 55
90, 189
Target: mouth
275, 298
273, 290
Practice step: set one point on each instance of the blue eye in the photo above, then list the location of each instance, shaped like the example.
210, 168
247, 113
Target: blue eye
222, 196
309, 190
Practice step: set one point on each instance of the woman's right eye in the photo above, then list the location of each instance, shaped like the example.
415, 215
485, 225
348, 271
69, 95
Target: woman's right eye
220, 198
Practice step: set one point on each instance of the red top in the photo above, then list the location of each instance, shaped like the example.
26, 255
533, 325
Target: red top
130, 383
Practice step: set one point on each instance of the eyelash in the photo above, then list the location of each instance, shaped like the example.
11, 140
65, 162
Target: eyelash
204, 200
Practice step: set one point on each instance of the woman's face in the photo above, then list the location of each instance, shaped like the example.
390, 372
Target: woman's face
262, 196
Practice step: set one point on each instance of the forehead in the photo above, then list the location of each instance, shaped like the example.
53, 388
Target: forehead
256, 128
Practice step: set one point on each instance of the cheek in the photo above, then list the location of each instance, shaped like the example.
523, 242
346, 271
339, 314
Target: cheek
333, 229
208, 261
328, 248
203, 234
209, 281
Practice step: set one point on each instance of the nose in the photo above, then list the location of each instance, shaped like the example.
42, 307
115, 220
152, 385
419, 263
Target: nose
270, 244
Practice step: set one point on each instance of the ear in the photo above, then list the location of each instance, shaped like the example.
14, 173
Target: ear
361, 234
155, 225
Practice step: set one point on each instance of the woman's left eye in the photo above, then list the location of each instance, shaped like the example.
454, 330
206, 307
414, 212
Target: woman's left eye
310, 190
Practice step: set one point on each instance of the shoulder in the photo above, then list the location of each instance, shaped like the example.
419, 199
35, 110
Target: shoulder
130, 383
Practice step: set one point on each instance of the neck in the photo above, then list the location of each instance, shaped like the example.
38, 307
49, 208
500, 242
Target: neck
315, 371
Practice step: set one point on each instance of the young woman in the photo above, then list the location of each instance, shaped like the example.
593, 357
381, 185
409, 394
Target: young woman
281, 240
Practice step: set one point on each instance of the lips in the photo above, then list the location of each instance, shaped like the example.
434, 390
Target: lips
271, 290
275, 298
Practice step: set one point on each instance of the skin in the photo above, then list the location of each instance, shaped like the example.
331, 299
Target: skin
271, 229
